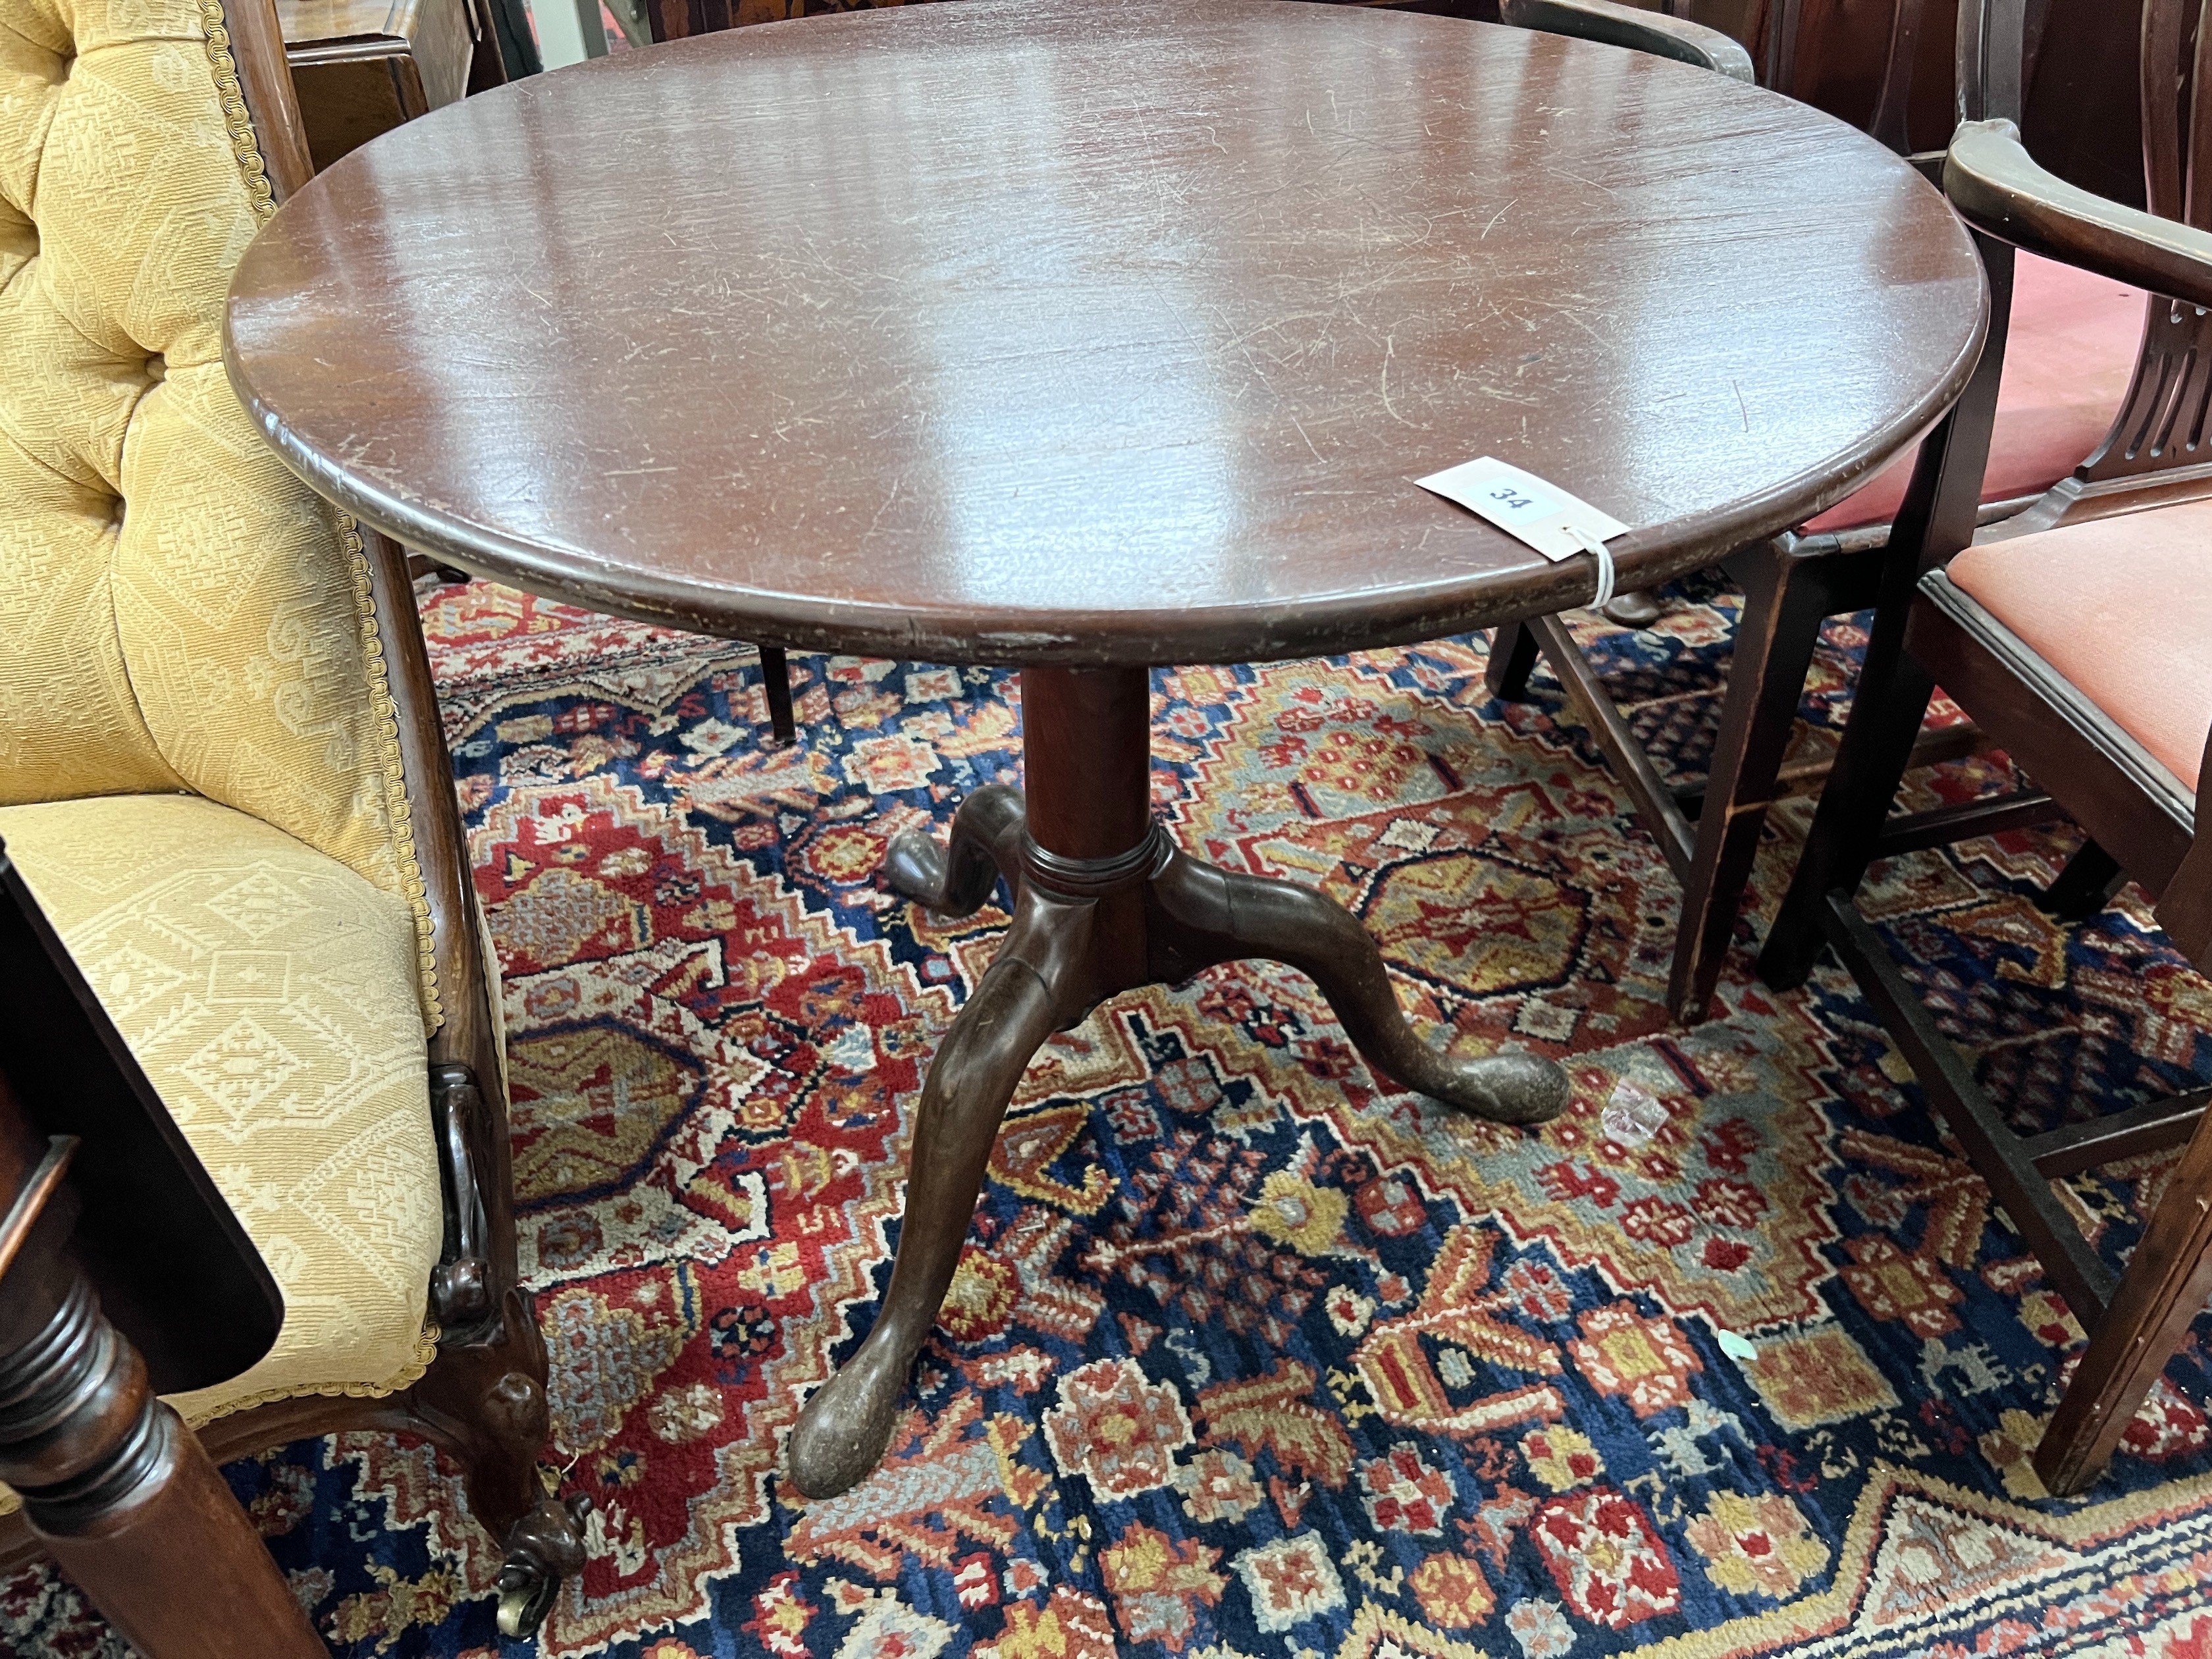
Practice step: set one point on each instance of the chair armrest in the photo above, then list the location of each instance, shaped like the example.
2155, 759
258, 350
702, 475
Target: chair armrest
1641, 31
1997, 188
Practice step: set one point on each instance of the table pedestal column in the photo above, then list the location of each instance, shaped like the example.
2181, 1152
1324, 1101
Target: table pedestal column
1104, 902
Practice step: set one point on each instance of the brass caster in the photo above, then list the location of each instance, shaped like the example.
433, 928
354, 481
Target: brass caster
546, 1545
522, 1607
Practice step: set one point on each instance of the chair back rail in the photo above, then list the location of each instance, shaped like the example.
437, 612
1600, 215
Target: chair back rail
265, 80
1892, 110
2177, 167
1791, 38
1997, 50
2161, 423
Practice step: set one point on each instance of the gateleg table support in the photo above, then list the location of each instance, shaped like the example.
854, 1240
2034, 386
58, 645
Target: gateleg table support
1104, 902
115, 1486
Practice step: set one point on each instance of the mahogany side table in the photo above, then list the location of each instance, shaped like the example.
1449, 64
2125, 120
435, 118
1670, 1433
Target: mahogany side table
1086, 337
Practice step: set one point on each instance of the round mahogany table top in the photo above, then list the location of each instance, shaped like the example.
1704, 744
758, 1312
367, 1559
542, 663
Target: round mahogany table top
1097, 332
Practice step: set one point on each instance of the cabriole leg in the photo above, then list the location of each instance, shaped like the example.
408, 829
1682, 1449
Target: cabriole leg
1202, 915
1103, 904
955, 880
1020, 1000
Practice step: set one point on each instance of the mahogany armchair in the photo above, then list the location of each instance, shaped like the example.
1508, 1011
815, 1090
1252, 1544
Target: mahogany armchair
223, 773
2074, 342
2083, 650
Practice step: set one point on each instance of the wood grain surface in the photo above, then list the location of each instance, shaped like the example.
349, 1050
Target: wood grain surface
1098, 333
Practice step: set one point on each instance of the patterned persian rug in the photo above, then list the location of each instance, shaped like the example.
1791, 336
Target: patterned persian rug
1248, 1355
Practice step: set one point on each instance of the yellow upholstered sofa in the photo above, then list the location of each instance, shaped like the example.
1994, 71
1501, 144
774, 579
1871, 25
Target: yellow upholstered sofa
220, 766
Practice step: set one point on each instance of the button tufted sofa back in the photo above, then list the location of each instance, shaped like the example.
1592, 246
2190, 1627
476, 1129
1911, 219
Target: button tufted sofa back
177, 612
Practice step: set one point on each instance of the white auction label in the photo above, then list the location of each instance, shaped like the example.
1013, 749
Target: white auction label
1529, 508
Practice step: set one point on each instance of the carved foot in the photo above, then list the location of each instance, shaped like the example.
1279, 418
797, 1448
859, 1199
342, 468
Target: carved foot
954, 881
1507, 1088
842, 1433
1204, 915
1637, 609
543, 1547
484, 1402
1020, 1001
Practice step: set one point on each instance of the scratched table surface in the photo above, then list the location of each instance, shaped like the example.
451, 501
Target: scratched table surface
1097, 332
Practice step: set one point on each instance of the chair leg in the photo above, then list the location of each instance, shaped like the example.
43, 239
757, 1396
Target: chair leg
2167, 1282
1512, 659
775, 680
1886, 710
2085, 885
1784, 604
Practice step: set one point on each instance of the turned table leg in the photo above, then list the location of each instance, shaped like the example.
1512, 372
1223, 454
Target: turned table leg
112, 1482
1103, 903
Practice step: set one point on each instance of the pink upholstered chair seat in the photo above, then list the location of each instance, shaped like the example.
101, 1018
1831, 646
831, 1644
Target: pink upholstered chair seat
2067, 361
2122, 608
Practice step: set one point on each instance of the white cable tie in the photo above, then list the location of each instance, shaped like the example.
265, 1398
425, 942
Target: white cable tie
1598, 551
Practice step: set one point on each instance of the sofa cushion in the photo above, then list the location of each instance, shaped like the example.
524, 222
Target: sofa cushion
2122, 609
2067, 361
269, 993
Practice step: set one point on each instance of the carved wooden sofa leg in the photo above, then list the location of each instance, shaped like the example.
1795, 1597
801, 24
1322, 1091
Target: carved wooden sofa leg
485, 1402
